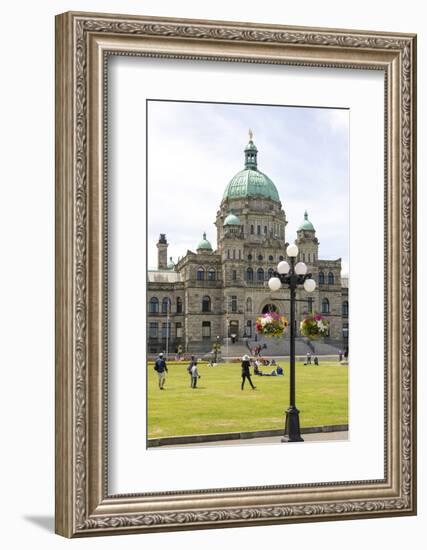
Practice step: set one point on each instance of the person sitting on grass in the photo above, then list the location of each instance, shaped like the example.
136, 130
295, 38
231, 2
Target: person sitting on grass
279, 370
257, 370
194, 375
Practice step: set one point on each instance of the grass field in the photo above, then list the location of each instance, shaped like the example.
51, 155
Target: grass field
219, 405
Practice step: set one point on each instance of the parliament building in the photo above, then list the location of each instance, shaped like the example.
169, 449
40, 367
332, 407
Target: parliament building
210, 293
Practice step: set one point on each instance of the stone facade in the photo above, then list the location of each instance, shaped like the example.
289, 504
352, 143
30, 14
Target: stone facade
211, 293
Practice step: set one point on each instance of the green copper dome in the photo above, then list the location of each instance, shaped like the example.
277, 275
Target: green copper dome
204, 244
250, 182
306, 224
232, 219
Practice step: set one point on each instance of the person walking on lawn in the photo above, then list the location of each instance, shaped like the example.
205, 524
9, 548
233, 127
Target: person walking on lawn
189, 369
246, 373
161, 368
194, 375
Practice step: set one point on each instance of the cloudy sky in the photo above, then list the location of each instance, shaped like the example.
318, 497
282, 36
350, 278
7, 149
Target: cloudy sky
194, 149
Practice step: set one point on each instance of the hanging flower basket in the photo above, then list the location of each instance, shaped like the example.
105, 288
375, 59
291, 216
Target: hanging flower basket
314, 326
271, 324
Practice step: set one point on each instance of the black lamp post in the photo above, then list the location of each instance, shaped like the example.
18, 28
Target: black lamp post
292, 276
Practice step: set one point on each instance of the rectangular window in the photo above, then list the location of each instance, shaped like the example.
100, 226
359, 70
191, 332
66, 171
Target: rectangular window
258, 230
166, 330
206, 329
265, 230
248, 328
252, 229
153, 330
211, 275
233, 303
234, 275
178, 329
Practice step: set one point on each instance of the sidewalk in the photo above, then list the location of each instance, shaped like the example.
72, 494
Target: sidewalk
315, 437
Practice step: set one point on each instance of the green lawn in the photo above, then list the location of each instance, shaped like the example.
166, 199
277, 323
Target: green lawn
218, 404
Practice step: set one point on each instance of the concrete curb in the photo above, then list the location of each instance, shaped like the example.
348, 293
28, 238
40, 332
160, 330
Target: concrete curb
205, 438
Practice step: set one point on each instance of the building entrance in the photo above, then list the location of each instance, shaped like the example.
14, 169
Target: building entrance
270, 307
233, 330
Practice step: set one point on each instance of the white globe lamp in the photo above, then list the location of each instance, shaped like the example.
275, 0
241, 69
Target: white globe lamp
274, 283
283, 268
292, 251
309, 285
300, 268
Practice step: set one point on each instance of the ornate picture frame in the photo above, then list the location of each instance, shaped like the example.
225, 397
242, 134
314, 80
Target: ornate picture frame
84, 506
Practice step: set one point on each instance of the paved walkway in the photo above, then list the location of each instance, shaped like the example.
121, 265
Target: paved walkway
322, 437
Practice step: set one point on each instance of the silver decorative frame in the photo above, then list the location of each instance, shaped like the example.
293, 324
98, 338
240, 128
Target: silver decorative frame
83, 42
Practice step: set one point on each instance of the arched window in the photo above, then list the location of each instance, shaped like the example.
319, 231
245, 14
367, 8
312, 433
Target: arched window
345, 309
211, 274
166, 303
325, 305
179, 305
271, 258
321, 278
200, 274
249, 305
249, 274
206, 304
270, 272
260, 274
260, 258
281, 258
330, 278
249, 257
153, 305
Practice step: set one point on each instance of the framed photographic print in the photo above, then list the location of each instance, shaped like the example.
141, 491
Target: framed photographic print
235, 274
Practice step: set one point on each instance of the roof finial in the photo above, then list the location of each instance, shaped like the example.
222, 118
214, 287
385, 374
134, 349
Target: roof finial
204, 235
305, 215
251, 135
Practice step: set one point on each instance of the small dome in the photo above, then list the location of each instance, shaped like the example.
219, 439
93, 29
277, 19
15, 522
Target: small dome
306, 224
232, 219
171, 263
204, 244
